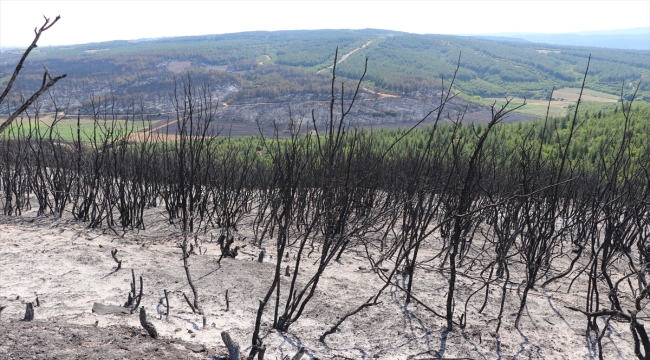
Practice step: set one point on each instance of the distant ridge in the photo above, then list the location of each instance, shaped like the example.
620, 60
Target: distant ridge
502, 38
633, 31
627, 39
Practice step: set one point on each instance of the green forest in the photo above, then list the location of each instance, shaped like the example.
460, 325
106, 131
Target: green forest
596, 135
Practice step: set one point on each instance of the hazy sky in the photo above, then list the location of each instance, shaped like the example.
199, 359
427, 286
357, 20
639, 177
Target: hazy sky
93, 21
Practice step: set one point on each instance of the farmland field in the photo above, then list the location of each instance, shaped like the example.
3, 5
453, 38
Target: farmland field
562, 100
535, 108
571, 94
66, 129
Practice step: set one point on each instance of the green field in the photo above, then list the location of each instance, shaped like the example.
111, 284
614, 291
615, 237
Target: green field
67, 129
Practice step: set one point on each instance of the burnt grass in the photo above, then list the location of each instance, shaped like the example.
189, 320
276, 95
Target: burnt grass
261, 116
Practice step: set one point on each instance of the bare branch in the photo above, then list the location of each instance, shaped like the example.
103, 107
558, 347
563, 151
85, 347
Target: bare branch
44, 87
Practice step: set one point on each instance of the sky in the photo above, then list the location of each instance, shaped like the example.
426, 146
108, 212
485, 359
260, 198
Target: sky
94, 21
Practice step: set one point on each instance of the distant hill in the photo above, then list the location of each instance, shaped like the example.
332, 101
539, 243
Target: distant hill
294, 67
630, 39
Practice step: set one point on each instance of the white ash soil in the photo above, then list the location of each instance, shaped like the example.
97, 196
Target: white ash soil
70, 267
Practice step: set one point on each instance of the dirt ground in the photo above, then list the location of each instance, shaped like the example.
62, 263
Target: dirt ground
51, 339
69, 268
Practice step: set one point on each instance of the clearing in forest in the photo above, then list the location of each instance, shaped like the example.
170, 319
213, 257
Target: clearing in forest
562, 99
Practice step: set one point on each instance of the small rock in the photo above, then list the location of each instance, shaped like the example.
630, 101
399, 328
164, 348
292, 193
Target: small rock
195, 348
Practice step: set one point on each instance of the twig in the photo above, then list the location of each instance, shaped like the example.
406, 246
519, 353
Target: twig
119, 262
196, 307
132, 293
139, 297
189, 303
334, 328
595, 314
166, 303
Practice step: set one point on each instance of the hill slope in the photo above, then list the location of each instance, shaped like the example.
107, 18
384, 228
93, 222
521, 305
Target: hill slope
295, 67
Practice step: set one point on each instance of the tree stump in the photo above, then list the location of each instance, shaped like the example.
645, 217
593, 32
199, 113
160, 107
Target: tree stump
29, 312
260, 352
233, 348
147, 325
224, 244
